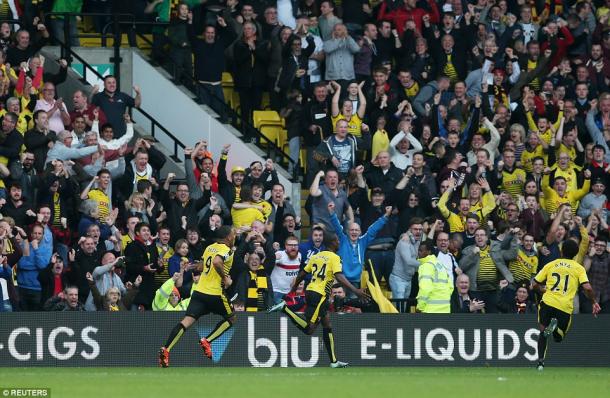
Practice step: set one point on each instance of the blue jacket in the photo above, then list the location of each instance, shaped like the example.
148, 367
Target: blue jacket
352, 256
307, 249
29, 267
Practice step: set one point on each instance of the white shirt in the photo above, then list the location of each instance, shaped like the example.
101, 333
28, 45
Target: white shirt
115, 143
284, 14
55, 122
404, 160
448, 261
4, 288
284, 272
313, 68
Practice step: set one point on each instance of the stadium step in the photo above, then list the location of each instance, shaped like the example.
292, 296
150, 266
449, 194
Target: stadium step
96, 41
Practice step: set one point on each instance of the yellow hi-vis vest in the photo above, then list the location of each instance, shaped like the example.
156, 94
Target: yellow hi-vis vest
435, 287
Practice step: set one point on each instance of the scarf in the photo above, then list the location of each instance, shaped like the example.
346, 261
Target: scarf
556, 5
257, 284
532, 4
500, 96
137, 176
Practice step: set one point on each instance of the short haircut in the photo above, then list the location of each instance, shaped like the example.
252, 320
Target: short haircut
415, 220
428, 244
569, 249
143, 185
223, 232
103, 171
141, 225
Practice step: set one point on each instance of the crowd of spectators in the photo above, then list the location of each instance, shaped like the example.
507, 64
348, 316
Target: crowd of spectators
481, 128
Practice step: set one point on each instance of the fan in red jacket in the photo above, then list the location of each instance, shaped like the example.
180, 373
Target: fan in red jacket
408, 12
558, 44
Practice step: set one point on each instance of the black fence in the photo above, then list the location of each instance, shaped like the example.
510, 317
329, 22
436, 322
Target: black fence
262, 340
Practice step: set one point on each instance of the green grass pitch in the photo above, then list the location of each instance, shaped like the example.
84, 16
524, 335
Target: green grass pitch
313, 382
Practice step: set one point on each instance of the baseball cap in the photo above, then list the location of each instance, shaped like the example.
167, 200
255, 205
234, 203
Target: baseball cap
377, 191
238, 169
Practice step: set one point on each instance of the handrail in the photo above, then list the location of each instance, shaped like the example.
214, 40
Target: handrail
270, 147
250, 132
154, 122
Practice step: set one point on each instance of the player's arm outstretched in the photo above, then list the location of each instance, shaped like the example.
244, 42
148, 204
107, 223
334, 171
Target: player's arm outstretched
297, 281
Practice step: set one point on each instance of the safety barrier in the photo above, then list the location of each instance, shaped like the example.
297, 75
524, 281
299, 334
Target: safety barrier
262, 340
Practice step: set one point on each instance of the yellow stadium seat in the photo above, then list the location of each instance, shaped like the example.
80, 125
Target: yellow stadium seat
227, 80
303, 159
266, 117
228, 93
283, 137
271, 131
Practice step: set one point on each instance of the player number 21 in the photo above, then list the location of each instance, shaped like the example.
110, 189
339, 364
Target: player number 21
321, 274
556, 286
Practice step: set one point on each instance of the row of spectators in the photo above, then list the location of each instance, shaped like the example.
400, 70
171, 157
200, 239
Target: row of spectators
459, 115
458, 123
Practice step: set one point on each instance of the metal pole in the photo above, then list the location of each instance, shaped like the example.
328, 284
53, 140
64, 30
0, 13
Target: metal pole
117, 49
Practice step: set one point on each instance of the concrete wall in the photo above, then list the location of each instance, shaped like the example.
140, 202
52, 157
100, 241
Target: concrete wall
175, 109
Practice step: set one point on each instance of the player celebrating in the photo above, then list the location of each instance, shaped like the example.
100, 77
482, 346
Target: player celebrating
562, 276
208, 296
324, 268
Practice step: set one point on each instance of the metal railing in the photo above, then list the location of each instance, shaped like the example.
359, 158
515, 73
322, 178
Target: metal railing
250, 133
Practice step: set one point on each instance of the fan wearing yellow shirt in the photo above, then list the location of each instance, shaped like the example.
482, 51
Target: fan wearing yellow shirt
512, 178
354, 120
558, 282
457, 222
534, 148
208, 295
560, 194
252, 206
324, 268
542, 126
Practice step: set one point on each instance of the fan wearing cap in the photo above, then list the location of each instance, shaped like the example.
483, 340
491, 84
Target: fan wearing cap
230, 189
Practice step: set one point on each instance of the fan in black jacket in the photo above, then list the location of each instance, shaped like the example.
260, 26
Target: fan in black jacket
295, 62
142, 258
53, 278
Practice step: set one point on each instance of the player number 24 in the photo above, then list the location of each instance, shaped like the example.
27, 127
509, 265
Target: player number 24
556, 286
321, 274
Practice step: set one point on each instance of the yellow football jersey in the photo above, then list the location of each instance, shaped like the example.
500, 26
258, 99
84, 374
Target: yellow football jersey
563, 277
323, 267
210, 281
524, 266
103, 202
